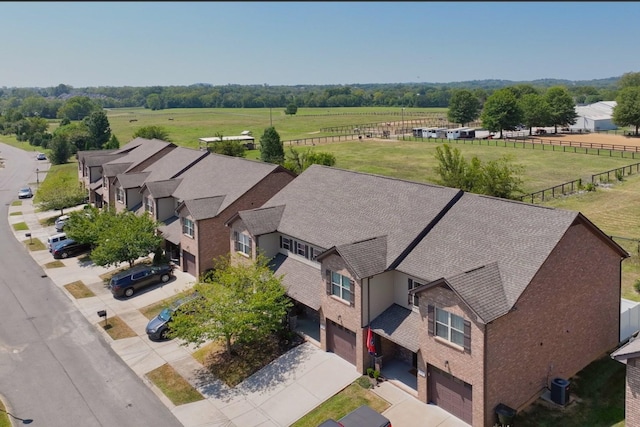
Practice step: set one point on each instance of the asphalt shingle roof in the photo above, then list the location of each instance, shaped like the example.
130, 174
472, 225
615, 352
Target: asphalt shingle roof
173, 164
146, 149
479, 231
303, 282
132, 180
171, 230
162, 189
331, 207
218, 175
207, 207
400, 325
365, 258
262, 221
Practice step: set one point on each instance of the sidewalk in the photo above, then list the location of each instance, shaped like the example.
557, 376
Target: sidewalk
278, 395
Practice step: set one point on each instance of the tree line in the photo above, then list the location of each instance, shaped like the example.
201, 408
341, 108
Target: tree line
46, 102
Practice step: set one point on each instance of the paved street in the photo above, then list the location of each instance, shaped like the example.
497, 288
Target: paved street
55, 369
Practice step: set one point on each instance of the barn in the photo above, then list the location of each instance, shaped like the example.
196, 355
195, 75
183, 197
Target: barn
594, 117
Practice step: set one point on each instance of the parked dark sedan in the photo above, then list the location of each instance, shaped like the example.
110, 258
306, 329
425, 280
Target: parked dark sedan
127, 282
69, 247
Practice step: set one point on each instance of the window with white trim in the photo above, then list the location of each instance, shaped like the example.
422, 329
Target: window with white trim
188, 227
341, 286
413, 300
242, 243
450, 327
148, 204
120, 194
298, 248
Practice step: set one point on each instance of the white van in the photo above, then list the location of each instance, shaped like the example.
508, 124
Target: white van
55, 238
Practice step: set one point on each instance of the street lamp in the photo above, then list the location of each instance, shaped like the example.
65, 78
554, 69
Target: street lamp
37, 177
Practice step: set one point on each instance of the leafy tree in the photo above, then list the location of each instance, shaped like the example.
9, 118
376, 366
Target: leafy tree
60, 150
112, 144
152, 132
154, 102
271, 148
59, 193
501, 111
240, 302
498, 178
229, 148
99, 130
88, 225
297, 161
629, 80
464, 107
127, 238
627, 110
75, 134
77, 108
562, 107
535, 110
453, 169
291, 109
501, 178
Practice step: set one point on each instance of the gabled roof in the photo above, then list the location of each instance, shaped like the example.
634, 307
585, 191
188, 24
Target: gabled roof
261, 221
146, 149
131, 180
207, 207
330, 207
218, 175
365, 258
100, 159
113, 169
161, 189
172, 165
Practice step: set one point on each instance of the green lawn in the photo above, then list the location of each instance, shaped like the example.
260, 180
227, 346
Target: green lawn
187, 125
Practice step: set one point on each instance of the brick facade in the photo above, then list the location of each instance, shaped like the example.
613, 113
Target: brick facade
632, 405
211, 238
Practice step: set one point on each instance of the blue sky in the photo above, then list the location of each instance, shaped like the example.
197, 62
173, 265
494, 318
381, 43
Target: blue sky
293, 43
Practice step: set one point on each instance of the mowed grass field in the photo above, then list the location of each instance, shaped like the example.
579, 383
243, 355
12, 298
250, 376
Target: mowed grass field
186, 125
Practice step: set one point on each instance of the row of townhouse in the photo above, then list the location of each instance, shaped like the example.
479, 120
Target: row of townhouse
488, 300
191, 192
484, 300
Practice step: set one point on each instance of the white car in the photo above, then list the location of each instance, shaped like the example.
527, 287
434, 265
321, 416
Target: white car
60, 221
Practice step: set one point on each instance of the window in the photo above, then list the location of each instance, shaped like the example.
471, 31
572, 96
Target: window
148, 205
188, 227
285, 243
340, 286
301, 249
242, 243
413, 300
450, 327
120, 194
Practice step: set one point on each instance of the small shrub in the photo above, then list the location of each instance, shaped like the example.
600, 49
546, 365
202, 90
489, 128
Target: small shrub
619, 175
590, 186
636, 285
376, 374
364, 382
370, 372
